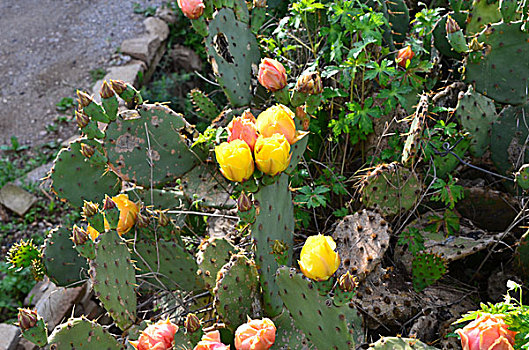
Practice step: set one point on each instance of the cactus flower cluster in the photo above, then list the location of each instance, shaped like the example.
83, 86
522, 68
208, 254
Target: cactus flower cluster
263, 143
318, 260
487, 332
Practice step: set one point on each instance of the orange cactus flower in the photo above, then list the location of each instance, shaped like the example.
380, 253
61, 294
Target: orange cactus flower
128, 212
404, 56
277, 119
158, 336
255, 335
192, 9
487, 332
243, 129
272, 75
211, 341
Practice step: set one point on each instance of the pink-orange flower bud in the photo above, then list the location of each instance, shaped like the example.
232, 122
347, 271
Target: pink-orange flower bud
192, 323
255, 335
211, 341
79, 236
272, 75
27, 318
158, 336
309, 83
487, 332
192, 9
243, 129
244, 203
404, 55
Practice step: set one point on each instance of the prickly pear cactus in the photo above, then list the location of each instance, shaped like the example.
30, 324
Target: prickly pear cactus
76, 179
82, 334
477, 113
203, 105
166, 265
288, 336
390, 188
493, 73
25, 254
113, 277
426, 269
439, 33
236, 292
522, 177
206, 185
212, 256
232, 50
483, 12
64, 266
150, 148
398, 343
327, 327
397, 14
37, 334
274, 223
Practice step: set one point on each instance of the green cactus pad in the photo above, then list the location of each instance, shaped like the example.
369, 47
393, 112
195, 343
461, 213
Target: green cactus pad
494, 74
390, 188
22, 254
37, 334
288, 336
82, 334
237, 292
203, 105
426, 269
445, 165
439, 34
212, 256
128, 146
274, 222
397, 343
477, 113
522, 177
483, 12
233, 50
206, 184
64, 265
75, 179
162, 200
166, 265
509, 134
113, 277
327, 327
416, 128
397, 14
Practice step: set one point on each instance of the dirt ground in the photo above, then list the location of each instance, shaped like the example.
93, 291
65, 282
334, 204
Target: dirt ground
47, 50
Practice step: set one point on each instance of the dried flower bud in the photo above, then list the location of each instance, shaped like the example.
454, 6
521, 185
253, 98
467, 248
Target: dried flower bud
27, 318
90, 209
142, 220
259, 3
309, 83
106, 91
84, 99
192, 323
82, 119
119, 86
279, 247
244, 203
451, 26
109, 204
163, 219
87, 150
303, 117
347, 282
79, 236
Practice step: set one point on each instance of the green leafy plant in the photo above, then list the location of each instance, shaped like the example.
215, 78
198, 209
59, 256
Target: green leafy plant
448, 192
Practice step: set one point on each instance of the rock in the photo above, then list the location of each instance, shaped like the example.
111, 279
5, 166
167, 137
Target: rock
16, 199
57, 303
38, 291
425, 328
183, 58
165, 13
25, 344
35, 176
9, 336
156, 27
128, 73
143, 47
361, 241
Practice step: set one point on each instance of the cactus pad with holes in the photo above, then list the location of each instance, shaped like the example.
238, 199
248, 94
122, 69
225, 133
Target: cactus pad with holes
82, 334
76, 179
64, 265
113, 277
206, 184
212, 256
161, 157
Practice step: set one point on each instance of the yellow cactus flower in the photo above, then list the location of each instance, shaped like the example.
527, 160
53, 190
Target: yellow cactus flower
277, 119
272, 154
128, 212
318, 260
235, 160
93, 232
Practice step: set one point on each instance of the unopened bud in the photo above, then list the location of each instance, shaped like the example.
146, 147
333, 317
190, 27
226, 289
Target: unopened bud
247, 115
142, 220
309, 83
451, 26
475, 45
244, 202
79, 236
259, 3
82, 119
84, 99
119, 86
106, 91
347, 282
27, 318
192, 323
163, 219
109, 203
87, 150
90, 209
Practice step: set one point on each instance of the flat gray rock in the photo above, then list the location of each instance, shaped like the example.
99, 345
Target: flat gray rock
16, 199
9, 336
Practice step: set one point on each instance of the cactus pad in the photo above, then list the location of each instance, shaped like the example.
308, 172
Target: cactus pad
390, 188
81, 334
477, 113
64, 265
439, 34
113, 277
327, 327
398, 343
522, 177
426, 269
237, 292
166, 265
398, 17
233, 50
494, 74
361, 241
75, 179
213, 255
203, 105
483, 12
38, 334
288, 336
152, 146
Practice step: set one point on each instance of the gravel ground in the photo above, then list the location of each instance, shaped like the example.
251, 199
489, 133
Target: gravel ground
47, 50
